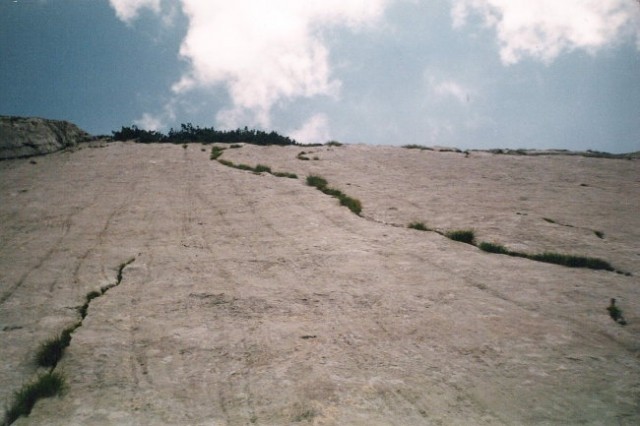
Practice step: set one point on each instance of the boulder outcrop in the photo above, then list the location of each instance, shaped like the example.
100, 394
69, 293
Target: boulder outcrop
29, 136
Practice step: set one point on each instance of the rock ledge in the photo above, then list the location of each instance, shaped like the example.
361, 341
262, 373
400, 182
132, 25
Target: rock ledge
29, 136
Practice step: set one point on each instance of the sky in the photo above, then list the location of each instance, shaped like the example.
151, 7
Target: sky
472, 74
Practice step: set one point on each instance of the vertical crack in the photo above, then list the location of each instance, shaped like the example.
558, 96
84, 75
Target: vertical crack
49, 355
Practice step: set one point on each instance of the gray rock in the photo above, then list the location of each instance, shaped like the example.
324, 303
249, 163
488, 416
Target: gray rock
29, 136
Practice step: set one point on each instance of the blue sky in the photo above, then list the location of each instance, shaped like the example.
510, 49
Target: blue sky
465, 73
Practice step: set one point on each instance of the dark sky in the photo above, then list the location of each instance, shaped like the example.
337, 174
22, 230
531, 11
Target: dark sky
465, 73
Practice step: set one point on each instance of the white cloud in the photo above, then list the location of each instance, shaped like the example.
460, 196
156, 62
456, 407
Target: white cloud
127, 10
543, 29
149, 122
315, 130
263, 53
450, 89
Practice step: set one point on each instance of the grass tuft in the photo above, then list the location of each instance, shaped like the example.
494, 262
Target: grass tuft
46, 386
216, 152
321, 183
333, 143
317, 181
616, 313
572, 261
286, 175
90, 296
260, 168
244, 167
464, 236
493, 248
50, 352
420, 147
352, 204
420, 226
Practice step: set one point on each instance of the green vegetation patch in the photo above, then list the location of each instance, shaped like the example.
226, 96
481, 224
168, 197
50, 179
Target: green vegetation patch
190, 133
572, 261
216, 152
260, 168
321, 184
464, 236
419, 226
47, 385
352, 204
90, 296
616, 313
285, 175
551, 257
317, 181
420, 147
50, 352
493, 248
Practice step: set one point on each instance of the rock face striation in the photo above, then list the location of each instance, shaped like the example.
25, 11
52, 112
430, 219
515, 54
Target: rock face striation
29, 136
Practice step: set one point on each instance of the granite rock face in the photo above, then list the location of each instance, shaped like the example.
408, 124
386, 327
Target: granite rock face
29, 136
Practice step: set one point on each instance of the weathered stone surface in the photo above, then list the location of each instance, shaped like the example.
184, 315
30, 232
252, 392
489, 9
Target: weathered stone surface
259, 300
29, 136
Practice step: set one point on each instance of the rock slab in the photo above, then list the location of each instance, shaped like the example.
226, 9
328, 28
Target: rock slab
29, 136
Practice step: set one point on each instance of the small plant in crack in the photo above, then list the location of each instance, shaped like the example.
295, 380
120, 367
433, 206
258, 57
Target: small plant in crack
493, 248
616, 313
50, 352
599, 234
572, 261
352, 204
317, 181
419, 226
89, 297
216, 152
321, 184
46, 386
286, 175
420, 147
546, 219
464, 236
261, 168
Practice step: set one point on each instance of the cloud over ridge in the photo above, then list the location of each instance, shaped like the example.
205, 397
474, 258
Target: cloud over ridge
263, 53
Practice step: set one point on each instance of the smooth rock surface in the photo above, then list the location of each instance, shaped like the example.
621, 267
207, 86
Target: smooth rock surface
254, 299
30, 136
